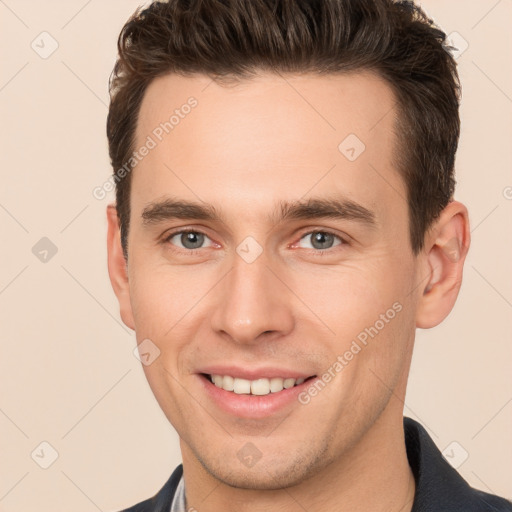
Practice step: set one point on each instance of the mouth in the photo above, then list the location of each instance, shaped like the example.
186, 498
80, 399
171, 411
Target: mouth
257, 387
259, 398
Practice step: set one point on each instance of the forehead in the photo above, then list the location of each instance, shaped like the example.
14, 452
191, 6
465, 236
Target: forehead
267, 139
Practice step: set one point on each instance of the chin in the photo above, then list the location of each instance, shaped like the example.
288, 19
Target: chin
270, 474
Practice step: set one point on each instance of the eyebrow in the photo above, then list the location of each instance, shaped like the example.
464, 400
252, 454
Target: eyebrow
312, 208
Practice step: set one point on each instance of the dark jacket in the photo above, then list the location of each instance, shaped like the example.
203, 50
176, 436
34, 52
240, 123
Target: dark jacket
439, 488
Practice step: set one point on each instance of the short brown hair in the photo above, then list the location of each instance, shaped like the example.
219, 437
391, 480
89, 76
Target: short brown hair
231, 39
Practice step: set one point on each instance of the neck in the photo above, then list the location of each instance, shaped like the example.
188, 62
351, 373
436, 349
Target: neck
373, 475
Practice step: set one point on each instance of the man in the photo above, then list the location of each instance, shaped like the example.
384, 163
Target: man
284, 221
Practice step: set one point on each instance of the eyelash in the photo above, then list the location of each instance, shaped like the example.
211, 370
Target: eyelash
316, 252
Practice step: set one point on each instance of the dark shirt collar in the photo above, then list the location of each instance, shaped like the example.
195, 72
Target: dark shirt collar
438, 485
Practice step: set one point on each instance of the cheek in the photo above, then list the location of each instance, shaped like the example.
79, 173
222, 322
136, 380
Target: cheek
162, 298
160, 303
366, 312
168, 392
168, 307
345, 299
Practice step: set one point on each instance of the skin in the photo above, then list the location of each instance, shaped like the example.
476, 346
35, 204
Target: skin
241, 149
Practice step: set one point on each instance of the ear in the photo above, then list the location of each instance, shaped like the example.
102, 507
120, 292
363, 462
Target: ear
118, 267
446, 246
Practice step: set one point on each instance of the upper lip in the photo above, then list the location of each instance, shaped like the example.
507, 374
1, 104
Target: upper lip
254, 373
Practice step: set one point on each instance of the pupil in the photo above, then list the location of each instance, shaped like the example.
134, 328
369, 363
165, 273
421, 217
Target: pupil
324, 240
194, 239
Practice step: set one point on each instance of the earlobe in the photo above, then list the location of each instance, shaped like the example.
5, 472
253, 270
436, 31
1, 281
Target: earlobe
117, 267
446, 248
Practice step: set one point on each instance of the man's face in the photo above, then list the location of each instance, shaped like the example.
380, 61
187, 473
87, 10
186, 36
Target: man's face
253, 295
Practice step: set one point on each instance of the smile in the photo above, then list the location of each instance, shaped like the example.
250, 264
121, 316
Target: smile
253, 393
260, 387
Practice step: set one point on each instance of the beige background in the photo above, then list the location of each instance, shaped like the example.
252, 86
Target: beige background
69, 376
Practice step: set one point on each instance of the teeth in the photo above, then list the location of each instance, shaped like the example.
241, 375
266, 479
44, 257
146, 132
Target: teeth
260, 387
227, 383
288, 383
240, 387
276, 384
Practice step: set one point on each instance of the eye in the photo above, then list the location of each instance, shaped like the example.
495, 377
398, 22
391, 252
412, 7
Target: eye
321, 240
188, 239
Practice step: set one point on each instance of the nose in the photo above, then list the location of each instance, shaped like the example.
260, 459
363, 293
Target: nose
254, 303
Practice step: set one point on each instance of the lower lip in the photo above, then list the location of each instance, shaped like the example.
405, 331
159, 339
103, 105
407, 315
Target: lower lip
252, 406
